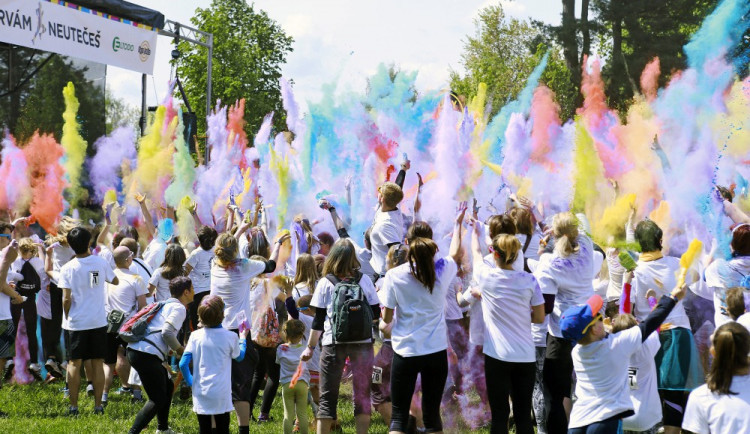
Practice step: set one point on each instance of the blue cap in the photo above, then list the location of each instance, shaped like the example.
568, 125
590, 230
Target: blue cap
576, 320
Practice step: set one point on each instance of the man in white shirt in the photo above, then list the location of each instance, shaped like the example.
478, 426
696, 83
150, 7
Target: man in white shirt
82, 281
388, 226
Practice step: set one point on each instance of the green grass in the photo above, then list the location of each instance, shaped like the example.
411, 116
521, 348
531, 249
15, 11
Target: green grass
38, 408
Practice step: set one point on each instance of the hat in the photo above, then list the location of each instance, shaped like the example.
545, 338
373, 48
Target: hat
575, 321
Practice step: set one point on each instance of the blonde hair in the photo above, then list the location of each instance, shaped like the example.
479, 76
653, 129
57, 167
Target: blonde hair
341, 260
309, 237
506, 249
307, 271
26, 245
565, 231
622, 322
391, 194
226, 250
66, 225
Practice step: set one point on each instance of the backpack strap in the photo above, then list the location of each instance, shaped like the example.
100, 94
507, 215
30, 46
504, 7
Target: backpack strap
142, 266
333, 279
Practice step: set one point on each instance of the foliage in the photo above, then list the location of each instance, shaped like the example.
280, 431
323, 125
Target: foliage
248, 50
502, 53
119, 113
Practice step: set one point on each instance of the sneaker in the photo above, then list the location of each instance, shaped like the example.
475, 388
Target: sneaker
263, 418
36, 371
99, 410
8, 373
66, 392
53, 368
90, 389
137, 400
124, 391
166, 431
104, 403
73, 412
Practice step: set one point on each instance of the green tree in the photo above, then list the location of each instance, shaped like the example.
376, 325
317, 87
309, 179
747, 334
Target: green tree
249, 49
119, 113
502, 53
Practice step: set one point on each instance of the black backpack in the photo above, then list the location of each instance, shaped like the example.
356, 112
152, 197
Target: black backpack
352, 314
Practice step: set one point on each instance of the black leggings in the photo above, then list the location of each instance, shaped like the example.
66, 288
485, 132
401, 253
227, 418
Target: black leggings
433, 369
222, 423
28, 308
514, 380
54, 329
50, 339
557, 374
158, 387
607, 426
266, 365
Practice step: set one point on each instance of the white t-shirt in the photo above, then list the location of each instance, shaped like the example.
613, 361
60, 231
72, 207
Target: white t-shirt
420, 327
5, 307
744, 319
721, 275
213, 350
323, 299
658, 275
162, 285
124, 296
364, 257
288, 357
507, 298
452, 309
387, 228
200, 275
300, 290
602, 371
569, 279
43, 305
142, 269
86, 278
232, 284
155, 253
107, 255
61, 255
532, 252
642, 384
173, 313
707, 412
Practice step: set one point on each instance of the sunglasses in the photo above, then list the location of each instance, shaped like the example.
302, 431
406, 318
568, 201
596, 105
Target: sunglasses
5, 236
302, 309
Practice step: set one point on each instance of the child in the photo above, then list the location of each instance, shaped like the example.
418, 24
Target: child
307, 313
288, 356
641, 380
158, 285
305, 277
211, 349
600, 362
82, 281
198, 269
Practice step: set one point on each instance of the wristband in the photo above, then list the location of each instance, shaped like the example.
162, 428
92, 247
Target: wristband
331, 209
312, 347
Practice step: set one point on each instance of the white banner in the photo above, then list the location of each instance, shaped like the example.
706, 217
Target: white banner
52, 27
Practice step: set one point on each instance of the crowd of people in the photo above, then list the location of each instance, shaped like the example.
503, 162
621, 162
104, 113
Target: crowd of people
523, 315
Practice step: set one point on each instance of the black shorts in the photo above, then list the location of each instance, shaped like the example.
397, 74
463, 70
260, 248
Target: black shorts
86, 344
113, 344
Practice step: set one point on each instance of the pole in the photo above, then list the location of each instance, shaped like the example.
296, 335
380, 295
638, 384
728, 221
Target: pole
143, 105
208, 83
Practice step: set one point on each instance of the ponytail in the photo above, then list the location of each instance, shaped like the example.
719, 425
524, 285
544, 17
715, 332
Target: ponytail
565, 231
421, 259
506, 249
731, 345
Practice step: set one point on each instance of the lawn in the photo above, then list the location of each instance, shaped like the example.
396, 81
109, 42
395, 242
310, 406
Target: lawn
38, 408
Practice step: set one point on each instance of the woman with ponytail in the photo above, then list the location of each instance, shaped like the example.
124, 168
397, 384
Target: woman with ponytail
722, 405
565, 278
511, 301
416, 291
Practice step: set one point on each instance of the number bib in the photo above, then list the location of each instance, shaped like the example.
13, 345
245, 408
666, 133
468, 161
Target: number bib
633, 378
377, 375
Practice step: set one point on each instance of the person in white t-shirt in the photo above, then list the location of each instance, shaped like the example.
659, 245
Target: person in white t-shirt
723, 274
677, 361
364, 254
565, 277
289, 358
230, 280
198, 269
128, 297
511, 301
148, 356
305, 277
171, 267
641, 380
341, 264
722, 405
388, 226
416, 291
7, 296
601, 362
139, 266
211, 350
82, 281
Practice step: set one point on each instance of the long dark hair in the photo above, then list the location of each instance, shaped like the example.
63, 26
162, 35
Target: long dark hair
174, 259
731, 344
421, 259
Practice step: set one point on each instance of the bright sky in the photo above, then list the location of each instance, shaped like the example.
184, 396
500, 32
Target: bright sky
344, 41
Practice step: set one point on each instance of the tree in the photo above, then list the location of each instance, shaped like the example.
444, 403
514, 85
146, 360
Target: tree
502, 53
249, 49
119, 113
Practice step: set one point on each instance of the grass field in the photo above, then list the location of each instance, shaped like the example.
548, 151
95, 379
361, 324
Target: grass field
38, 408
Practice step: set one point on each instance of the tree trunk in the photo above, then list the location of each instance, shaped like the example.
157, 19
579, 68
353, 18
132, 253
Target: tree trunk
569, 40
586, 48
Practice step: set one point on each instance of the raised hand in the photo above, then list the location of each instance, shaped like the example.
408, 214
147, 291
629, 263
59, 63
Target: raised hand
475, 209
461, 212
140, 197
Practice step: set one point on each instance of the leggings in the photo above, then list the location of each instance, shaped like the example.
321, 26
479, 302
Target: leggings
295, 406
28, 308
222, 423
557, 373
433, 369
612, 425
50, 339
158, 387
514, 380
458, 338
266, 365
55, 324
540, 400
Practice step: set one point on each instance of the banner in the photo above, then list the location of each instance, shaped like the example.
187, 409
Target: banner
60, 27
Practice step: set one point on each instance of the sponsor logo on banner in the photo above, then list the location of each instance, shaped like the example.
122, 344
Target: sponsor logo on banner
144, 51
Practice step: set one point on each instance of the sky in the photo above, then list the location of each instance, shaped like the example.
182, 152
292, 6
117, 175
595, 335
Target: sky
343, 42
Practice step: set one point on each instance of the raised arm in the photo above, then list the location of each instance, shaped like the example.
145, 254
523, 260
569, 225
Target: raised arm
401, 177
734, 213
455, 249
418, 200
476, 248
147, 219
